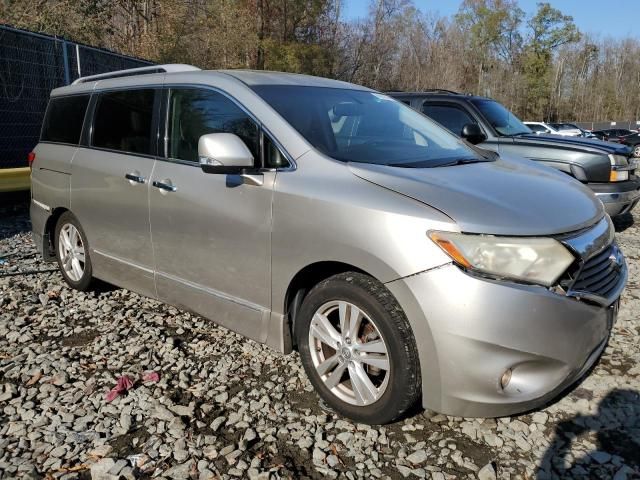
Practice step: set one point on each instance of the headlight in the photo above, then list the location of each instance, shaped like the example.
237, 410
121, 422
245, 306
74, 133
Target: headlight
618, 160
619, 170
533, 260
619, 175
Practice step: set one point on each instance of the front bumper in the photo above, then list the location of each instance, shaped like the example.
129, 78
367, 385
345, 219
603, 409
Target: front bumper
618, 198
471, 330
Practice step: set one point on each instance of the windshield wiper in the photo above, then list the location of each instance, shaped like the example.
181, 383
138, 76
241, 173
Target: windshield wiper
518, 134
433, 164
464, 161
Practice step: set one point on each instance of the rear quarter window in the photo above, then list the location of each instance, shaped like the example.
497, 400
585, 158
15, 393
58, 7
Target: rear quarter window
64, 118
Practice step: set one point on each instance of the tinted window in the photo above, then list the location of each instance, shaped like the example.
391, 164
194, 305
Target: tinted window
564, 126
64, 118
450, 117
123, 121
197, 112
537, 128
363, 126
273, 157
505, 122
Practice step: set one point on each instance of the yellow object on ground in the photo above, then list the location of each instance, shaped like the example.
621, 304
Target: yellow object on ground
15, 179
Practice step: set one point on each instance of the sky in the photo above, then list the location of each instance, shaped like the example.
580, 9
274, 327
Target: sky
615, 18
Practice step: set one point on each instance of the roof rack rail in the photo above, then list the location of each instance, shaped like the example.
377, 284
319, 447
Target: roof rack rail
442, 90
426, 90
168, 68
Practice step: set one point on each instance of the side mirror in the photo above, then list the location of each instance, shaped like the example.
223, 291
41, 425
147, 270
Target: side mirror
473, 134
223, 153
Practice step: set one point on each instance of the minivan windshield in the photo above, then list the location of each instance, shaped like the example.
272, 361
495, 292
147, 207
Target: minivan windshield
366, 127
505, 122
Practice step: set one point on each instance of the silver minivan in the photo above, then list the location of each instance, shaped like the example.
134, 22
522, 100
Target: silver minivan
402, 263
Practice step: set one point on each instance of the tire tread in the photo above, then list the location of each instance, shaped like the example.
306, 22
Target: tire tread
385, 298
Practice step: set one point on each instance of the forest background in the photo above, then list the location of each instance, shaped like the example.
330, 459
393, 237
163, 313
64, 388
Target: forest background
539, 64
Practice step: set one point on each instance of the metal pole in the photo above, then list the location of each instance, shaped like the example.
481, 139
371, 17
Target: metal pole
78, 59
65, 60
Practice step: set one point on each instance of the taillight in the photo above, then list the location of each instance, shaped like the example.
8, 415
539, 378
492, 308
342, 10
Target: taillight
31, 158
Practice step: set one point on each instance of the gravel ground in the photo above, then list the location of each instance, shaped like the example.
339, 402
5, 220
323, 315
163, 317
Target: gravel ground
227, 407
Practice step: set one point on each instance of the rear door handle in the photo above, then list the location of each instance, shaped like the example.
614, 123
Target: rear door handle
164, 186
134, 178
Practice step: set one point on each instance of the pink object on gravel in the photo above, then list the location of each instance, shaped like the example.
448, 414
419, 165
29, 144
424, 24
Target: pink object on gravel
151, 377
124, 384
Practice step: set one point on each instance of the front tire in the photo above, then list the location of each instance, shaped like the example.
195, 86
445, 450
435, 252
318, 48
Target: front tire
636, 151
358, 349
72, 252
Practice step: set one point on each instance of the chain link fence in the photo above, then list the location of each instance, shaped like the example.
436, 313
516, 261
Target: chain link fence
626, 124
31, 65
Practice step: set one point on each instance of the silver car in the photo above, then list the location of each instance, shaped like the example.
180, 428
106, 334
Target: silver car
403, 264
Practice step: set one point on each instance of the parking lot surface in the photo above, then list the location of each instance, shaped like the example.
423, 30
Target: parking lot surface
226, 407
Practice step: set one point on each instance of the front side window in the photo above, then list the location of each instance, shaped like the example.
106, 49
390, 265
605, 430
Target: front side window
123, 121
366, 127
451, 117
195, 112
505, 122
64, 119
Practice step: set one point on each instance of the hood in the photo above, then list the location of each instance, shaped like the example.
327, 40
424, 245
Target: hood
504, 197
574, 143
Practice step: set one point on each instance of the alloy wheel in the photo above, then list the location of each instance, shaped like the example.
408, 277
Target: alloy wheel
349, 353
71, 250
636, 151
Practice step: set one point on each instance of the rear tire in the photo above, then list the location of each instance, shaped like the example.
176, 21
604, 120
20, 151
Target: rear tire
72, 252
636, 150
364, 361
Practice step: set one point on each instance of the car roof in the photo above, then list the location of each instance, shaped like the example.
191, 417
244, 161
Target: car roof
157, 75
265, 77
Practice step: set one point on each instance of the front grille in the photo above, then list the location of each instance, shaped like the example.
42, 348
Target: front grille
600, 274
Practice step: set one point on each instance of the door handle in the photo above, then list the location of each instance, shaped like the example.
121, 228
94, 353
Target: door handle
134, 178
164, 186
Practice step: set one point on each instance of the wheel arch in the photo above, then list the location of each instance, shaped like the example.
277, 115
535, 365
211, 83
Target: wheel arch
303, 281
49, 232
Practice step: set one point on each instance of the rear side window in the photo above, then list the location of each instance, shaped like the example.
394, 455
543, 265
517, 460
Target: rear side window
64, 119
196, 112
123, 121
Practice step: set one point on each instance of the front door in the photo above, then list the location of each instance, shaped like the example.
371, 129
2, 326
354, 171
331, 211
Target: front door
211, 233
110, 187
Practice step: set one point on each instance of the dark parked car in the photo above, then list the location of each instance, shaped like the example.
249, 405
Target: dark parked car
632, 141
604, 167
612, 134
